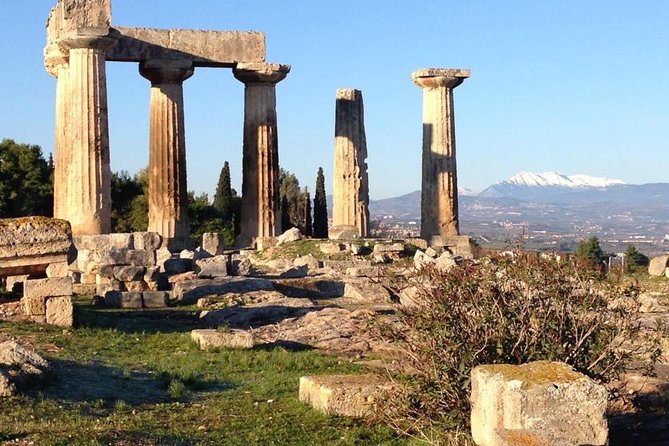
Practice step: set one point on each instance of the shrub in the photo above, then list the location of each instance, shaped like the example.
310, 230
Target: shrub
508, 311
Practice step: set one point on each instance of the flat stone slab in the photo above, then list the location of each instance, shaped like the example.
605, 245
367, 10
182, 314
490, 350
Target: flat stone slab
188, 292
344, 395
237, 339
546, 399
51, 287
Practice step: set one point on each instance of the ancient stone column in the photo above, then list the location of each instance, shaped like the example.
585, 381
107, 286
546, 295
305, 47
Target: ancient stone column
168, 199
84, 119
350, 215
260, 163
439, 199
56, 62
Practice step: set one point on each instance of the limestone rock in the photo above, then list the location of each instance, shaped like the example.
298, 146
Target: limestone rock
389, 248
367, 292
237, 339
213, 243
59, 269
546, 397
136, 286
190, 275
446, 261
187, 254
658, 265
332, 248
257, 314
421, 260
311, 262
212, 267
189, 291
14, 284
410, 297
105, 242
291, 235
344, 395
147, 241
649, 302
129, 273
18, 366
34, 306
295, 272
155, 299
60, 311
119, 299
55, 286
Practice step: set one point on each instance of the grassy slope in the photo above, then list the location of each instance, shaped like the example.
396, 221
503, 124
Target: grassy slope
136, 378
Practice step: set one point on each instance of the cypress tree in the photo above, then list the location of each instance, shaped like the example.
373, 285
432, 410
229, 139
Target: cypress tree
223, 196
285, 214
308, 225
320, 207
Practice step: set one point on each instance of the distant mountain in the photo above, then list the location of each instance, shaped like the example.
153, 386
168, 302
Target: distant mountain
546, 186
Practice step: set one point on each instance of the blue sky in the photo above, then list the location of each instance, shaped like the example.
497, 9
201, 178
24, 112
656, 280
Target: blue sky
572, 86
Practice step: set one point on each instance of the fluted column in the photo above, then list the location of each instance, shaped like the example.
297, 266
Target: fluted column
56, 62
85, 120
439, 198
168, 199
351, 186
260, 164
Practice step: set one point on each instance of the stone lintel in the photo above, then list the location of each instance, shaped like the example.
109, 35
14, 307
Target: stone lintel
89, 37
203, 48
439, 77
268, 73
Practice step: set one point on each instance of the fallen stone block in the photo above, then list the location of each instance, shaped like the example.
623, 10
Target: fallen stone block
389, 248
546, 397
129, 273
344, 395
156, 299
237, 339
291, 235
59, 269
18, 367
311, 262
332, 248
177, 266
55, 286
188, 292
295, 272
212, 267
82, 289
213, 243
364, 271
147, 241
104, 242
658, 265
367, 292
60, 311
14, 284
120, 299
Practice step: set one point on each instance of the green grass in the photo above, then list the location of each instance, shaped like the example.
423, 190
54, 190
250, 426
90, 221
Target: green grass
137, 379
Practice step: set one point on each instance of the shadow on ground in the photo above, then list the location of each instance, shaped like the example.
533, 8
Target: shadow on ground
172, 320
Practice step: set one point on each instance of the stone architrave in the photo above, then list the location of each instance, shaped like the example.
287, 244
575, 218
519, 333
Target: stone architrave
351, 184
84, 123
260, 176
168, 200
439, 199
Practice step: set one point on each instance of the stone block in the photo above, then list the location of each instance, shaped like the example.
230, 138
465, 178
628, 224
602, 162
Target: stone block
55, 286
14, 284
86, 261
187, 292
364, 271
33, 238
546, 397
152, 274
446, 261
129, 273
658, 265
212, 267
177, 266
418, 243
389, 248
344, 395
34, 306
213, 243
106, 271
147, 241
130, 257
84, 289
120, 299
136, 286
309, 261
241, 266
291, 235
332, 248
367, 292
295, 272
188, 254
59, 269
88, 278
162, 255
60, 311
155, 299
104, 242
237, 339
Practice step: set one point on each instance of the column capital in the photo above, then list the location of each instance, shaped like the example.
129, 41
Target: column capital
260, 72
161, 72
439, 77
93, 38
54, 58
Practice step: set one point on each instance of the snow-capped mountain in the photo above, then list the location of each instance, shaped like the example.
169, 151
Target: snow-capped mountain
533, 186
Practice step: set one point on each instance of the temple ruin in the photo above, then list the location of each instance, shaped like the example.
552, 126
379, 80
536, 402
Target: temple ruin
80, 40
350, 212
439, 197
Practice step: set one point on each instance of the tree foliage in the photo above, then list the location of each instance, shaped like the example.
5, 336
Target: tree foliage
635, 259
590, 250
130, 205
292, 211
308, 223
320, 207
223, 197
26, 181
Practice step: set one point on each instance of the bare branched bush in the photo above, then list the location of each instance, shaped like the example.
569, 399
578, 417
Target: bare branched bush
509, 311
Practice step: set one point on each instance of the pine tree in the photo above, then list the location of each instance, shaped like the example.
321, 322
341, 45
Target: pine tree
223, 196
308, 225
320, 207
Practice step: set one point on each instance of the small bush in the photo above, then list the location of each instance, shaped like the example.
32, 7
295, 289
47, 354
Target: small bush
177, 389
510, 311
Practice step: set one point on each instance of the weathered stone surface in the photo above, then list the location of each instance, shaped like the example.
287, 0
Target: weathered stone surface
189, 275
351, 184
18, 366
257, 314
543, 396
311, 262
147, 241
389, 248
60, 311
129, 273
446, 261
162, 255
421, 260
119, 299
204, 48
177, 266
136, 286
155, 299
365, 271
649, 302
126, 257
364, 291
332, 248
291, 235
85, 289
410, 297
29, 245
439, 199
344, 395
213, 243
34, 306
295, 272
189, 291
189, 254
242, 267
237, 339
658, 265
14, 284
55, 286
212, 267
310, 287
104, 242
59, 269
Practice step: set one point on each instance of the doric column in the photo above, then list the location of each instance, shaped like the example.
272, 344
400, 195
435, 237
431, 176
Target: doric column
439, 199
85, 121
350, 213
260, 176
168, 199
56, 62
